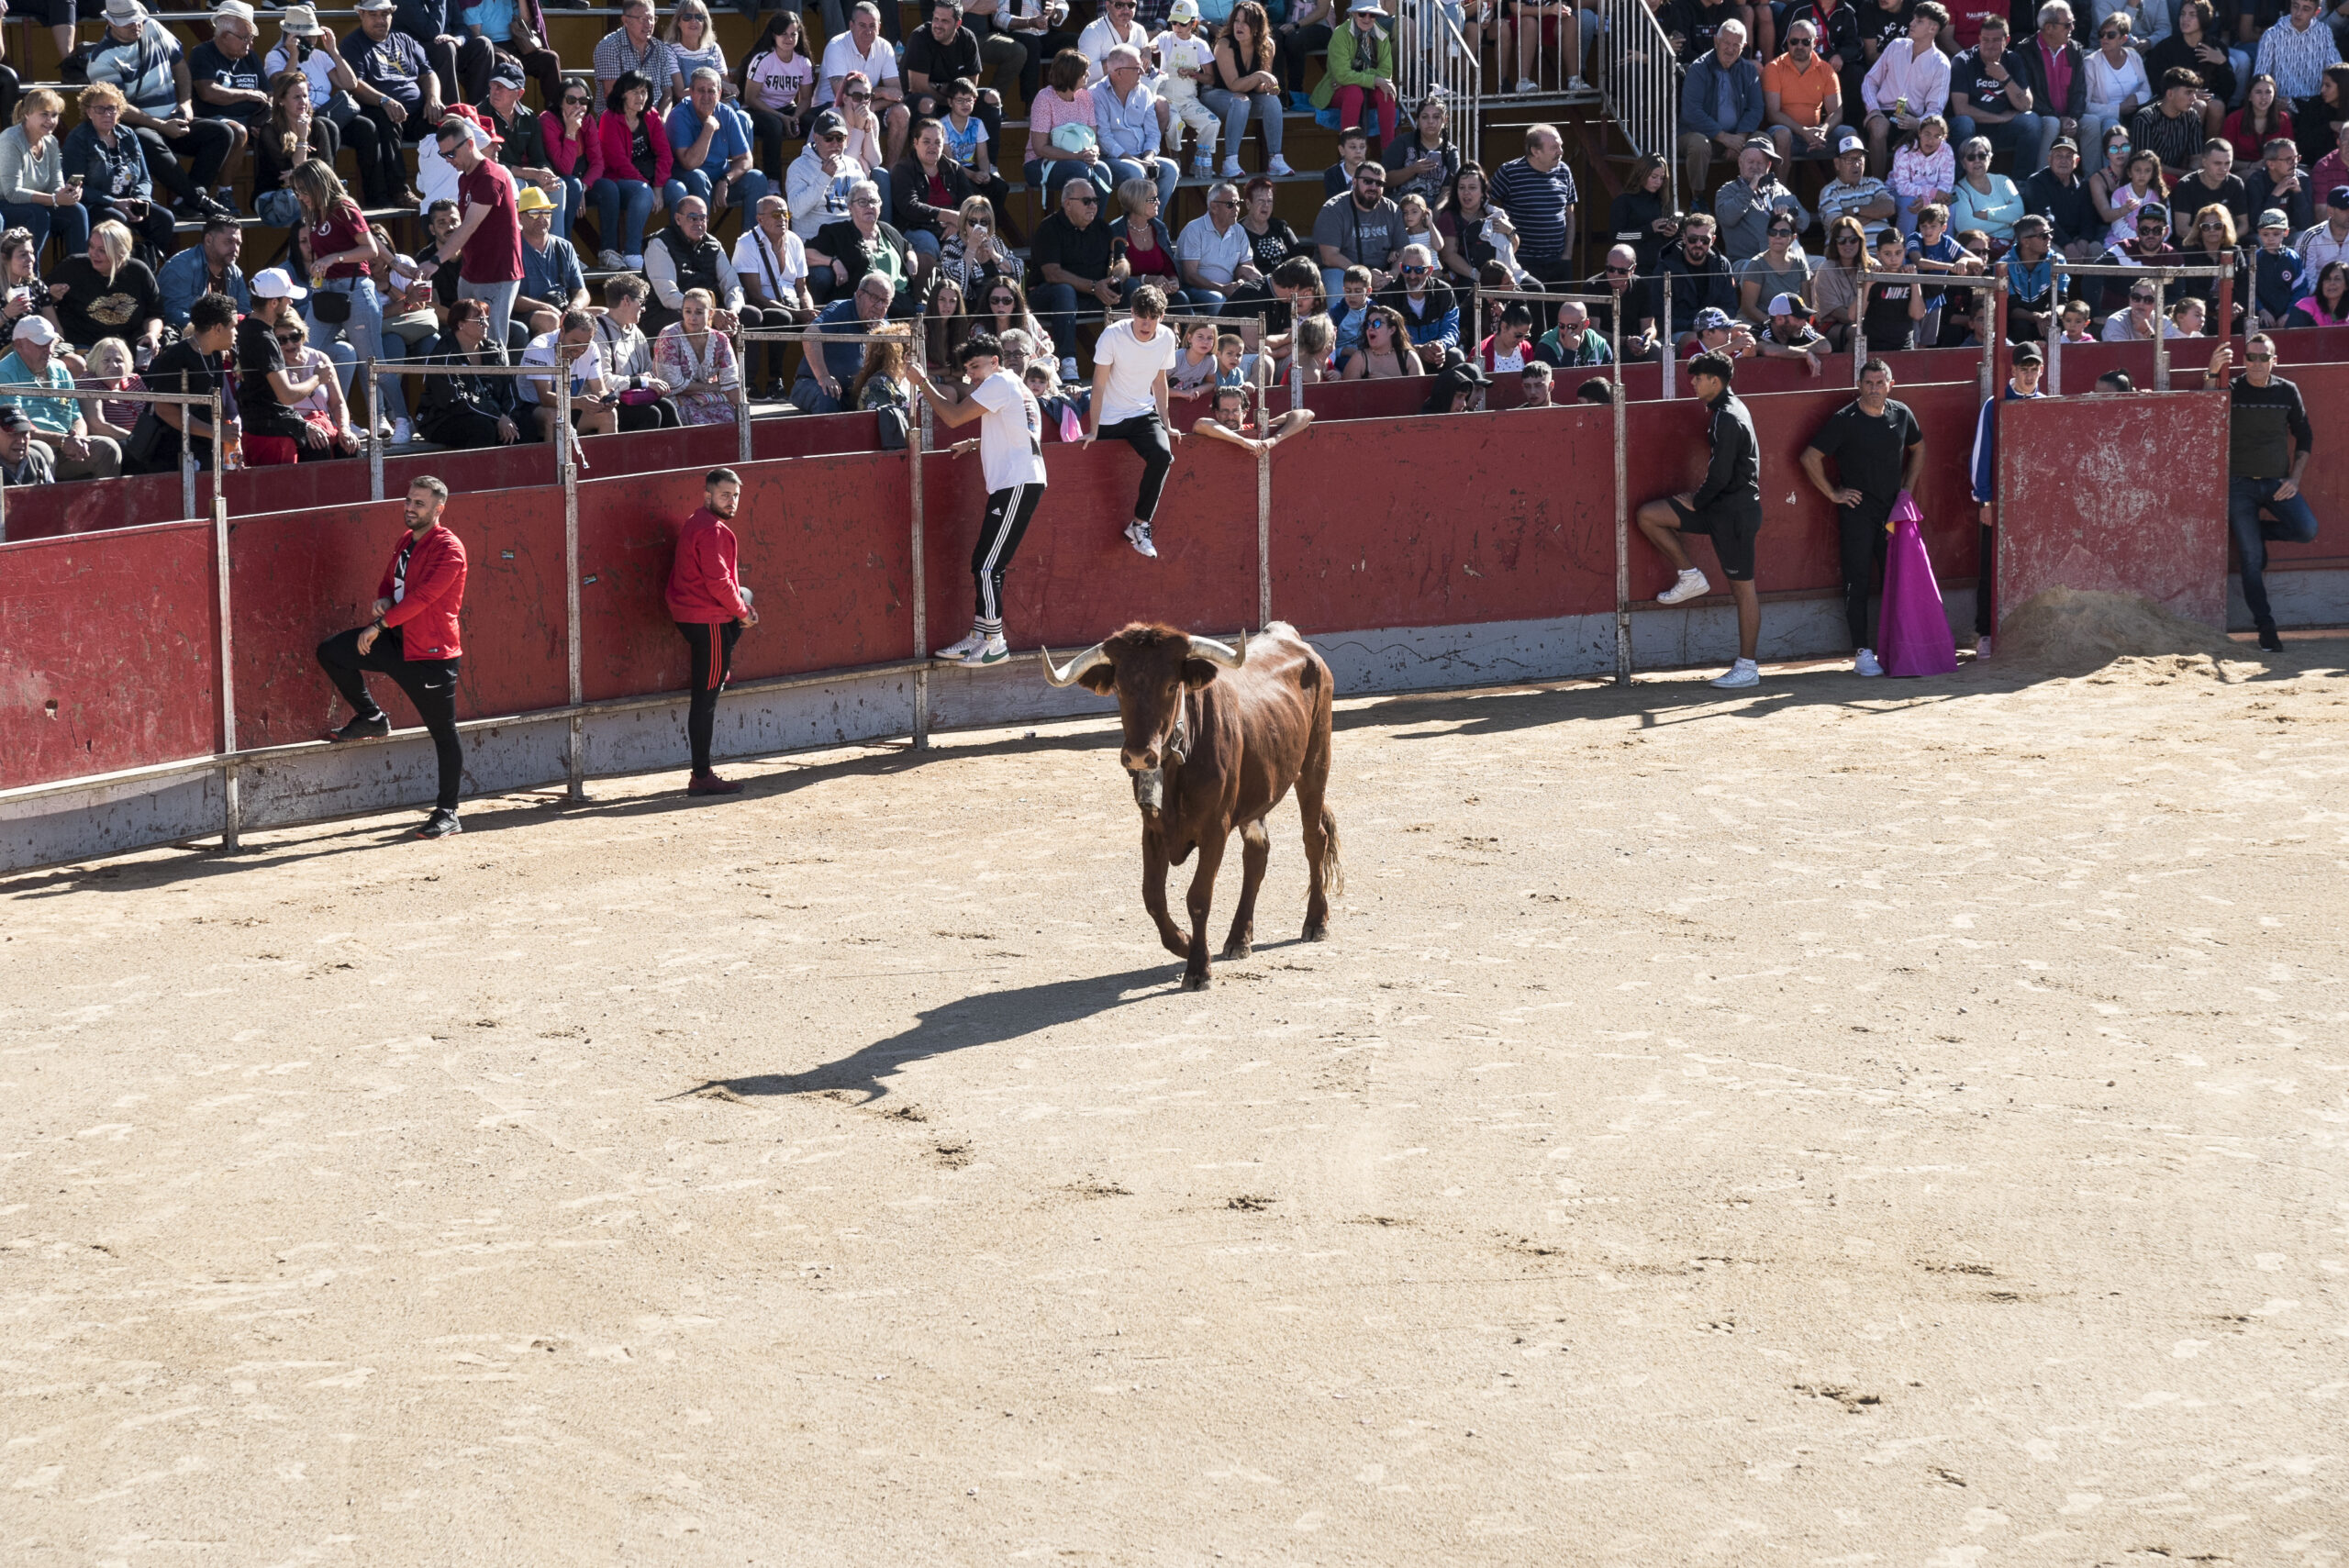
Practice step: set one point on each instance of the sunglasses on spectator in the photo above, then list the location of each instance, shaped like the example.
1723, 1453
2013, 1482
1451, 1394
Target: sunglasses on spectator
1086, 197
569, 98
2260, 358
1619, 272
2141, 298
2213, 227
1777, 230
860, 97
1225, 200
1978, 158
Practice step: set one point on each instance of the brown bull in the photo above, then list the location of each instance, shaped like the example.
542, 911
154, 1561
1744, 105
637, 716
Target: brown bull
1214, 738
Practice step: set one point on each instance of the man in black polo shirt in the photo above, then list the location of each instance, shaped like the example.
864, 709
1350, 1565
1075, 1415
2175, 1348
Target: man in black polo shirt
945, 50
1727, 507
1879, 449
2059, 194
266, 390
1072, 256
2268, 451
190, 366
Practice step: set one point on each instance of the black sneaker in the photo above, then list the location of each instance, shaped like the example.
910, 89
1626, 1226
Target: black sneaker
440, 824
2267, 638
373, 728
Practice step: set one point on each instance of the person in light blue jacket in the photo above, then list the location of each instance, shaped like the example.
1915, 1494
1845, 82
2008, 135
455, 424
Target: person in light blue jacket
210, 267
1720, 106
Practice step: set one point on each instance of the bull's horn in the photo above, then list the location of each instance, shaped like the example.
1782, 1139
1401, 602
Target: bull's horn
1221, 654
1077, 666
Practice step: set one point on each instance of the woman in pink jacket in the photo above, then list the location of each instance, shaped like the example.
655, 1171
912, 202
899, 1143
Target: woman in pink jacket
635, 149
574, 150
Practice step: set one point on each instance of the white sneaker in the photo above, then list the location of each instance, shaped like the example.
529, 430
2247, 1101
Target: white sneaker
612, 259
1138, 535
635, 263
1742, 674
1864, 663
1068, 371
1232, 168
1982, 646
961, 650
993, 650
1527, 84
402, 432
1576, 85
1278, 168
1690, 585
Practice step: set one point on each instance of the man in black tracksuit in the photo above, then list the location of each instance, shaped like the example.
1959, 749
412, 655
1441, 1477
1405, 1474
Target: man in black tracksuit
1727, 507
1879, 451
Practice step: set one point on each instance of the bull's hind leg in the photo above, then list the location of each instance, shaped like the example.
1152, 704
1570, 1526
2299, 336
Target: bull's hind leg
1255, 849
1320, 838
1153, 894
1202, 897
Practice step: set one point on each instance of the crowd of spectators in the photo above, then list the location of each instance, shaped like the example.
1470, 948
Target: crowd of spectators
2211, 135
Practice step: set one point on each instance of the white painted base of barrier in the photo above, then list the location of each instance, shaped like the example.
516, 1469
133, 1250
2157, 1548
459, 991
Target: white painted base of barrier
316, 784
2298, 598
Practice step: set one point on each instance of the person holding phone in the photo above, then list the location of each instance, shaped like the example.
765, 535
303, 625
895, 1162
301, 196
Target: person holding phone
36, 193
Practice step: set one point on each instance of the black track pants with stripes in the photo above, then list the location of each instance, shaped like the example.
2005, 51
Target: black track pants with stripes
712, 646
1009, 512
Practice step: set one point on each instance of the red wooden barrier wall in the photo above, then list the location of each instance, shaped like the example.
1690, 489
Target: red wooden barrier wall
2325, 390
119, 634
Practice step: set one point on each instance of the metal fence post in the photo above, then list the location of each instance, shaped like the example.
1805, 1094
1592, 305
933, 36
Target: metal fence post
567, 469
231, 823
2161, 334
743, 405
2054, 326
1264, 498
1623, 511
374, 432
918, 432
1859, 327
188, 467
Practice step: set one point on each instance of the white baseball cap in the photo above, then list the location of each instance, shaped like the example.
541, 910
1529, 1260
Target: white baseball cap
36, 327
1182, 11
276, 282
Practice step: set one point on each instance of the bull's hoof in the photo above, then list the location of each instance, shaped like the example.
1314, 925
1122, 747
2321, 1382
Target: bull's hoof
1196, 982
1233, 950
1317, 933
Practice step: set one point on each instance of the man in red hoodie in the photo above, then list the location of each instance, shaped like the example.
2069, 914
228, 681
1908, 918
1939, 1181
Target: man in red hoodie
710, 606
413, 639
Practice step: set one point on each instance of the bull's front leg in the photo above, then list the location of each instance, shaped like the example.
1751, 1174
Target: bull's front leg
1202, 898
1153, 891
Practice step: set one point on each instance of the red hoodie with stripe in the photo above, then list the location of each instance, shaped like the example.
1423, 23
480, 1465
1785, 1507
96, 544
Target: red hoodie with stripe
703, 587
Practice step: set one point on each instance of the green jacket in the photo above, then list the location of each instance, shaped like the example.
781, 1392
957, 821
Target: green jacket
1342, 69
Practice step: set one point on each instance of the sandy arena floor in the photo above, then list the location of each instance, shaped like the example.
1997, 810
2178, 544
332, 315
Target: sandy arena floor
1849, 1122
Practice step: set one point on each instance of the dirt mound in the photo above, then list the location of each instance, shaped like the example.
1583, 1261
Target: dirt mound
2074, 630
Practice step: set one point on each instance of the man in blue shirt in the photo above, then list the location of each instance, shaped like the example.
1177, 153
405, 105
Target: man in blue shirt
710, 144
394, 83
553, 283
851, 318
2022, 383
210, 267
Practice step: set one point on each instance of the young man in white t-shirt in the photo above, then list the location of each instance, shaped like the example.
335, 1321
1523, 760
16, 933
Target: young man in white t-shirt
1129, 366
1011, 456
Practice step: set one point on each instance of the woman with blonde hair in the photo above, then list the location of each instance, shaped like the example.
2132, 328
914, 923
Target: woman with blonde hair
698, 362
337, 248
693, 41
34, 193
325, 413
976, 250
108, 293
108, 368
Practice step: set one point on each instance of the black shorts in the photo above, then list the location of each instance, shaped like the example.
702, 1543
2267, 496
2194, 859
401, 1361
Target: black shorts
1732, 529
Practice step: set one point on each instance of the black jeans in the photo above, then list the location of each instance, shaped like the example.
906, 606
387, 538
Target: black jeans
1862, 539
658, 415
1147, 437
153, 228
1986, 574
376, 144
430, 684
205, 147
711, 645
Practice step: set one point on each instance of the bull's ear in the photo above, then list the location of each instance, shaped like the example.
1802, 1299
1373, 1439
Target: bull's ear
1198, 673
1101, 680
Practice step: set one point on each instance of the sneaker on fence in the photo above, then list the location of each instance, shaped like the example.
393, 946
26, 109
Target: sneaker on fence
635, 263
993, 650
1527, 84
1278, 168
1742, 674
440, 824
1690, 585
1576, 85
957, 652
1138, 535
373, 728
1068, 370
1866, 663
612, 259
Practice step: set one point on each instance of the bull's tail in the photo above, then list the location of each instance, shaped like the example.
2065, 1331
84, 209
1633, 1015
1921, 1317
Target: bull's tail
1333, 871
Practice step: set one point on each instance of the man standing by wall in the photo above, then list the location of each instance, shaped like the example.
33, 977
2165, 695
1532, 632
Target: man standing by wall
1011, 459
413, 639
2021, 385
1879, 449
1727, 507
2267, 451
711, 608
488, 242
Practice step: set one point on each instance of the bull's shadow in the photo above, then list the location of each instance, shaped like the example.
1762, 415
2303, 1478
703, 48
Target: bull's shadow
990, 1017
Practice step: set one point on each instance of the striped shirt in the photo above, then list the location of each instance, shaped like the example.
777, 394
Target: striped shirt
1539, 205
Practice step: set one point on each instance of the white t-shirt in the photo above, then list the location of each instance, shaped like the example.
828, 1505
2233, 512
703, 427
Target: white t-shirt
778, 271
841, 56
319, 68
779, 80
1011, 432
1125, 382
586, 371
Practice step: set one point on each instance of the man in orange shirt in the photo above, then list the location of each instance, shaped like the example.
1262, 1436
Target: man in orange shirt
1802, 100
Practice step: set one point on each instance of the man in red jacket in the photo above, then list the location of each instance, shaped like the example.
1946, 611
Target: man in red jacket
413, 639
710, 606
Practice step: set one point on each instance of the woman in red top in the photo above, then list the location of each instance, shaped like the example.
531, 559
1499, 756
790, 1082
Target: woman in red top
2263, 118
574, 151
337, 248
711, 607
1142, 240
636, 162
